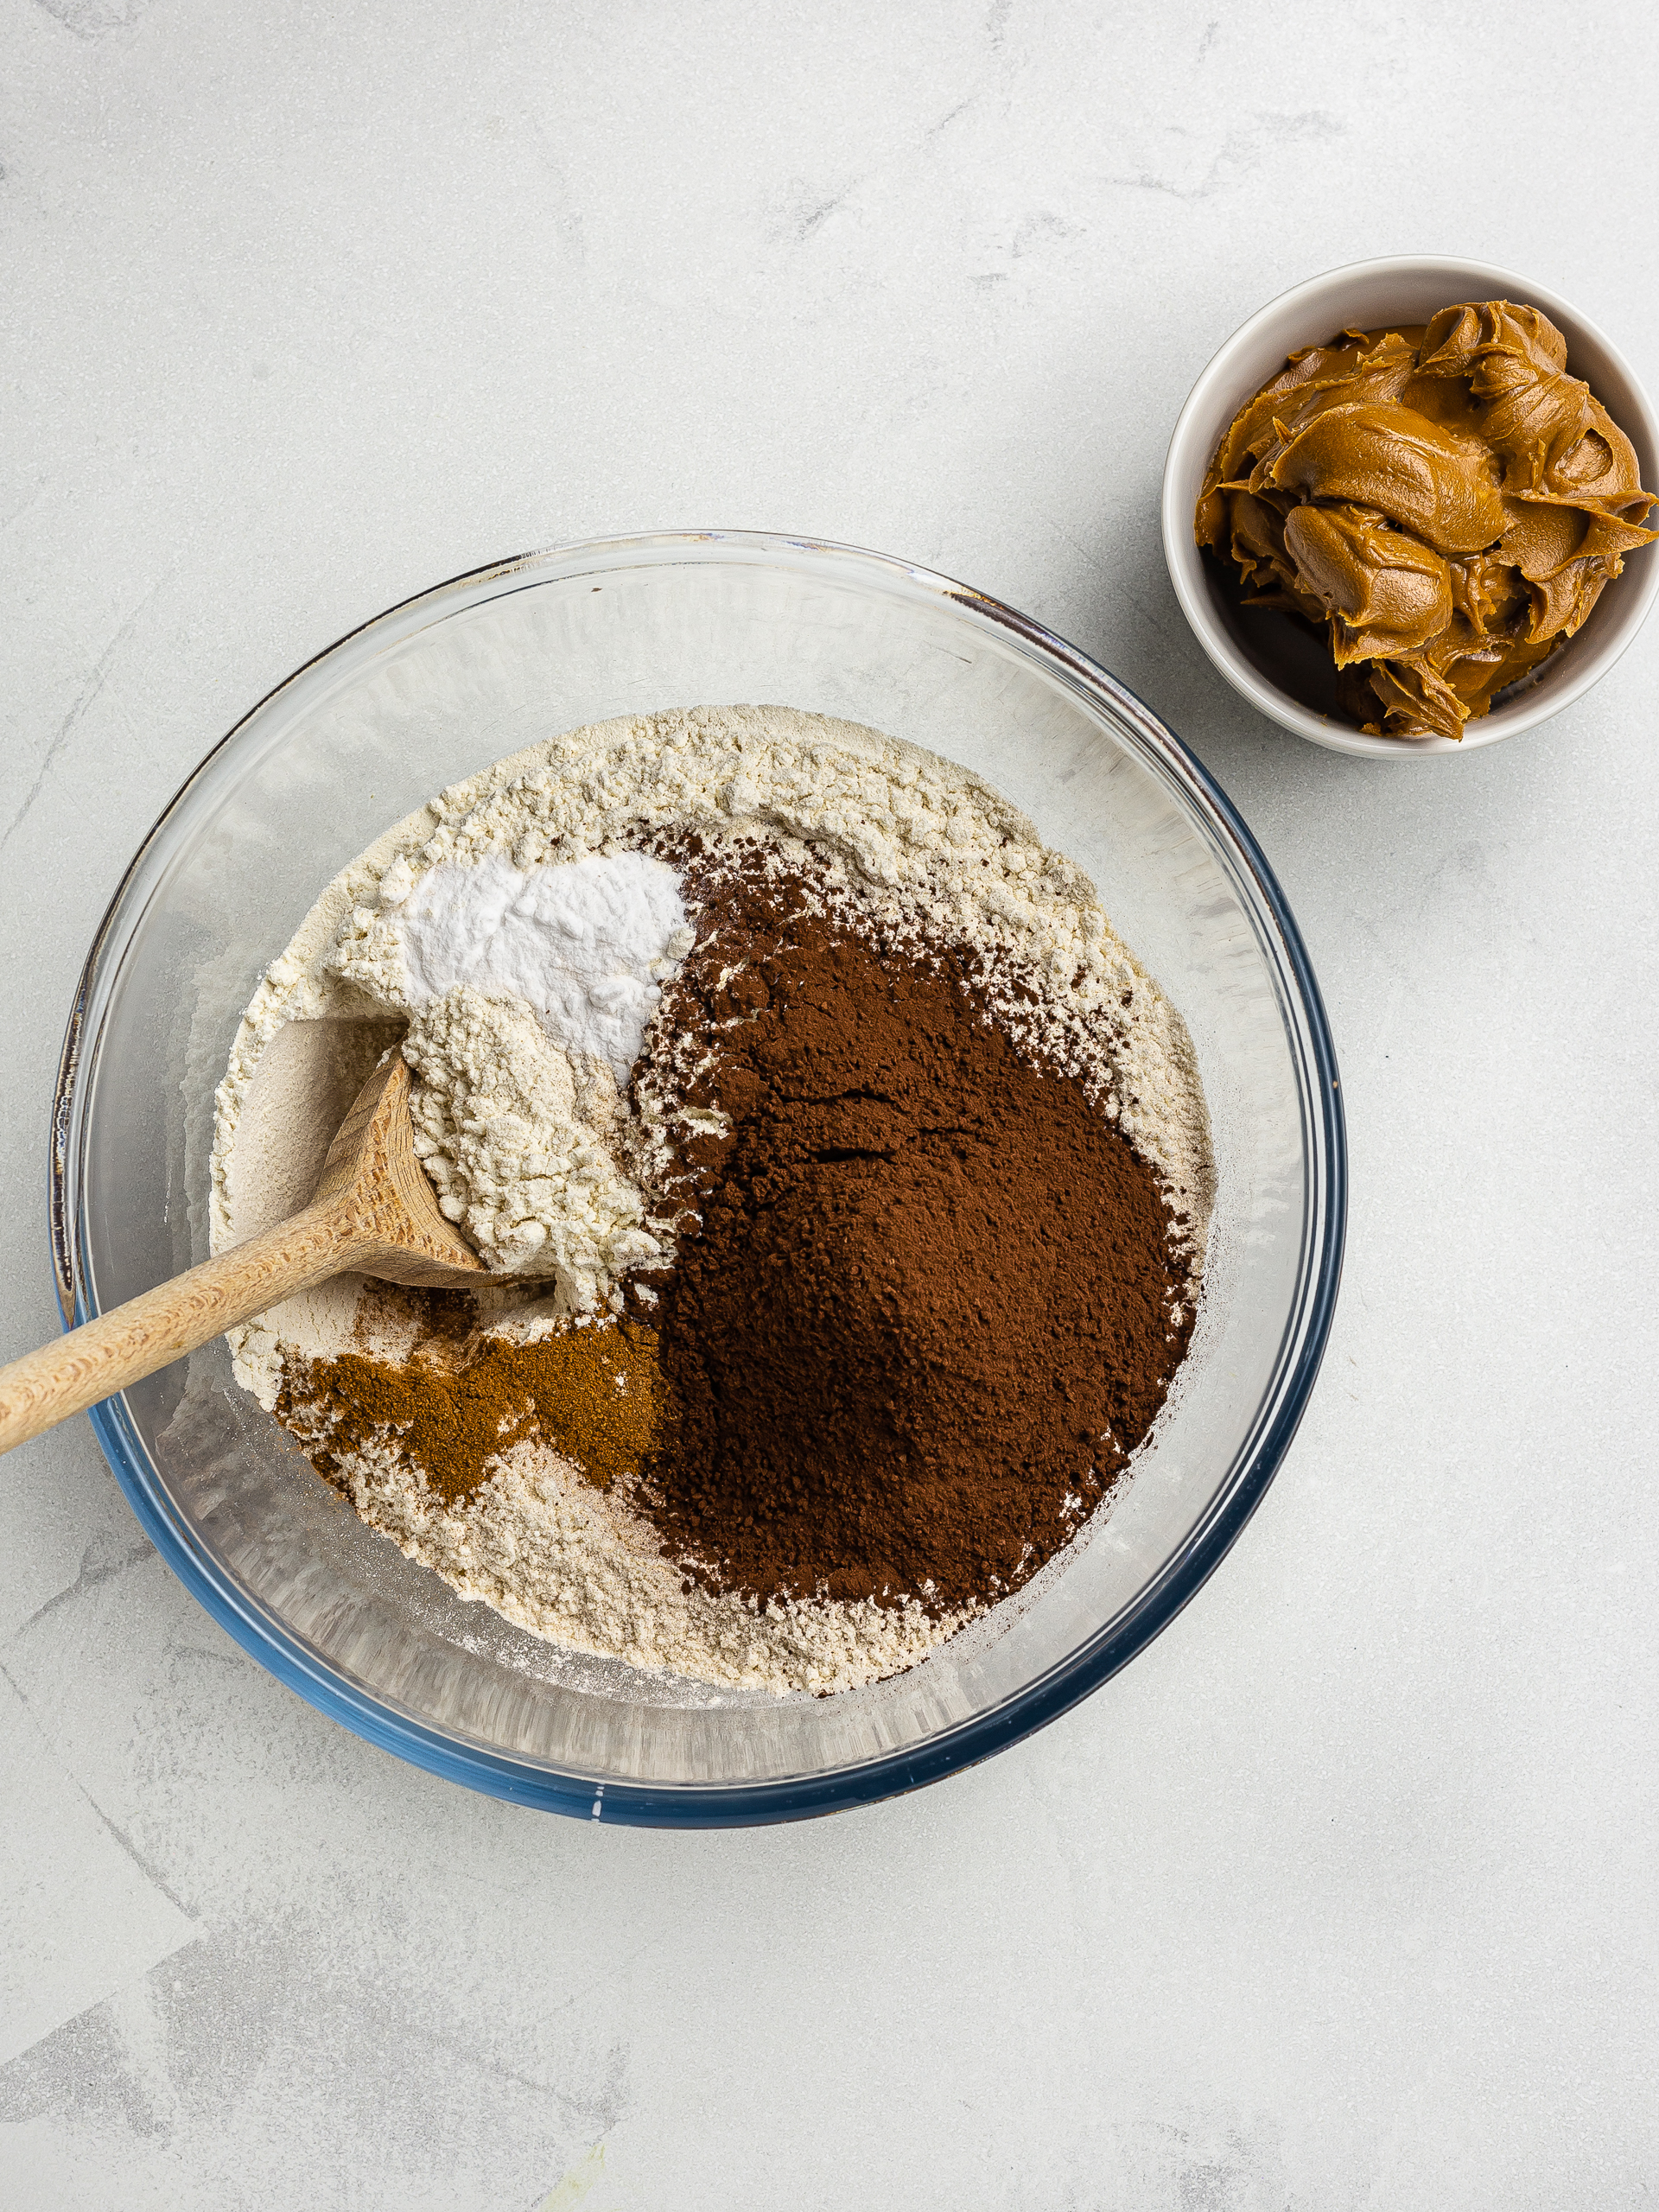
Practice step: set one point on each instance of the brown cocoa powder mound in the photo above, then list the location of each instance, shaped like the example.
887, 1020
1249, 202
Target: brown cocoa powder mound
928, 1311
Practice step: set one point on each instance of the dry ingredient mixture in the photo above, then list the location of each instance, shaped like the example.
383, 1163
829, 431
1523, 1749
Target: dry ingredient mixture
870, 1171
1445, 503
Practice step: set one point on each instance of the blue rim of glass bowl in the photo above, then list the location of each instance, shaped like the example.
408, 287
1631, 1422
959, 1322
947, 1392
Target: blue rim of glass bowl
479, 1765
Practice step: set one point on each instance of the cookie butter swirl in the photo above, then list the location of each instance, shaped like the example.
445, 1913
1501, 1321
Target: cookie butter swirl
1445, 501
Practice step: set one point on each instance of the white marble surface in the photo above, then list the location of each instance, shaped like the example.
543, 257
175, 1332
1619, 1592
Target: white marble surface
1342, 1896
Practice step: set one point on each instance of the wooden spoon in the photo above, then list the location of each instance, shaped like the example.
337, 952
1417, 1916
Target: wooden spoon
375, 1213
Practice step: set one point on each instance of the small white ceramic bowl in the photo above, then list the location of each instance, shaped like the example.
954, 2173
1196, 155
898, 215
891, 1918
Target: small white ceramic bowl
1274, 662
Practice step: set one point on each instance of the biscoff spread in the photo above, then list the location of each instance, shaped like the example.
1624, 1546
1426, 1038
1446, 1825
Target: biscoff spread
1444, 501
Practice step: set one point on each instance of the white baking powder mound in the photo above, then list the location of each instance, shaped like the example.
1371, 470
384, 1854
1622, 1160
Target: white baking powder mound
587, 944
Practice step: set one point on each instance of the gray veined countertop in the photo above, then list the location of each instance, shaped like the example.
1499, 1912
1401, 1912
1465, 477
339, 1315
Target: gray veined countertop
1342, 1895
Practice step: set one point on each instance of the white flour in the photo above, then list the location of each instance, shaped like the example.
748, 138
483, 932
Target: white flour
921, 847
561, 1559
517, 1136
529, 991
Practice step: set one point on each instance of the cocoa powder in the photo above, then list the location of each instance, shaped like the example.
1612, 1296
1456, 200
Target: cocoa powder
926, 1300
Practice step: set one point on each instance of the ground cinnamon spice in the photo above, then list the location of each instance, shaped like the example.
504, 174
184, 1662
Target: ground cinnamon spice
593, 1394
929, 1301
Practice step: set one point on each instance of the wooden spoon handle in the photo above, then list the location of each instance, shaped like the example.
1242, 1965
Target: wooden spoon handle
160, 1325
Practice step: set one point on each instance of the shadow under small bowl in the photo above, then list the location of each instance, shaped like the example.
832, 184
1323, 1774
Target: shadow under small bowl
1276, 662
433, 691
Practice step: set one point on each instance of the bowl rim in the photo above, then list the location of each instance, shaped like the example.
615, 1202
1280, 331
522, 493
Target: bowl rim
524, 1780
1185, 562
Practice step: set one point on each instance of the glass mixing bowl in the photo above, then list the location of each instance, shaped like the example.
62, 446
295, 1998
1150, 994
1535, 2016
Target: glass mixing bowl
429, 693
